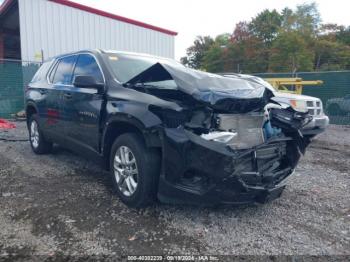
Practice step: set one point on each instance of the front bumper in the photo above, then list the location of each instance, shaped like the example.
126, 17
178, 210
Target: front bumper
197, 171
171, 194
316, 126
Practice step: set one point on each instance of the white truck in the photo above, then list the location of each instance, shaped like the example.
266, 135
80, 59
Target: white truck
302, 103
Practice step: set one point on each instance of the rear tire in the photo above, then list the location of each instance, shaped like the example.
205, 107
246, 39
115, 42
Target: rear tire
36, 138
134, 170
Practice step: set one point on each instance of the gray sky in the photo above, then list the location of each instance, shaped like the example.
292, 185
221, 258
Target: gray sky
203, 17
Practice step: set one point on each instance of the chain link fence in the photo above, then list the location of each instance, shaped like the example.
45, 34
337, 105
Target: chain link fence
334, 92
14, 76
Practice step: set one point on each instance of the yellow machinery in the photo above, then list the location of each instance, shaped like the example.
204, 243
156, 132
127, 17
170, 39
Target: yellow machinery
291, 85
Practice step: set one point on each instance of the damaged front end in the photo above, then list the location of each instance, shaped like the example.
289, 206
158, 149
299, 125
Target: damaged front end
230, 143
244, 159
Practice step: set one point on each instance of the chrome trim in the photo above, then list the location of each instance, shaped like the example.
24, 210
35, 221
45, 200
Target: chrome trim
53, 64
34, 134
314, 107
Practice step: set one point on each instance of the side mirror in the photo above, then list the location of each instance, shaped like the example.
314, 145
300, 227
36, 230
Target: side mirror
85, 81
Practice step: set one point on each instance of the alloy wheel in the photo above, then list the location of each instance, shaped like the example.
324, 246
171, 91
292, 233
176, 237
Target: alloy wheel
34, 134
125, 171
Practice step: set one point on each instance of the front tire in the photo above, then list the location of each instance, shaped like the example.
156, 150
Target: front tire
36, 138
134, 169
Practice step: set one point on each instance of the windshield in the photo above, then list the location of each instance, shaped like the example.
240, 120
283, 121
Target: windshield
127, 66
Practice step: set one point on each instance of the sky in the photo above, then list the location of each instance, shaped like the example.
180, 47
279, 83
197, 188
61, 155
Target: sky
208, 17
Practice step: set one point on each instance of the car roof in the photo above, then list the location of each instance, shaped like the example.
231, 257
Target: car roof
132, 53
93, 51
102, 51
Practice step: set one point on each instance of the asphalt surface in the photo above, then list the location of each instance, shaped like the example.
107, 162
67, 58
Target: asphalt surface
63, 205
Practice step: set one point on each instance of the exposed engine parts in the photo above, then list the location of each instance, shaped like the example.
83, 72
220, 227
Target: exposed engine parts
229, 142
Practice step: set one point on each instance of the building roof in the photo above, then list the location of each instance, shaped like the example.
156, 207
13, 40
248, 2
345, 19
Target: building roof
85, 8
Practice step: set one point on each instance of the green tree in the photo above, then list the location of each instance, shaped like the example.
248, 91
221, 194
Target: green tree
331, 55
247, 56
216, 58
266, 25
213, 59
290, 53
223, 39
288, 19
247, 53
255, 56
293, 39
241, 32
343, 35
329, 31
305, 19
195, 53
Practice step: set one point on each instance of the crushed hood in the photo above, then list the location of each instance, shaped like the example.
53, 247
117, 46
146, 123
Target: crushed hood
225, 94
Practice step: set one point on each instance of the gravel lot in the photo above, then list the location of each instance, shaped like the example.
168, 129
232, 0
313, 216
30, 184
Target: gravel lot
61, 204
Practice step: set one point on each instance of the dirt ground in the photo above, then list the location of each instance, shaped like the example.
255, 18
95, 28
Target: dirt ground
63, 205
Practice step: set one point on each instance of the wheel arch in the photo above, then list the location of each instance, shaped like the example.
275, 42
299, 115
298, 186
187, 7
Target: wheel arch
31, 109
121, 124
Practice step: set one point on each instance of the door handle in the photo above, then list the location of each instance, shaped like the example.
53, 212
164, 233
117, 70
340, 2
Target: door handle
67, 95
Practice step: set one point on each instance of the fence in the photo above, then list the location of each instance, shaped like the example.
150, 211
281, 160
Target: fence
334, 92
14, 75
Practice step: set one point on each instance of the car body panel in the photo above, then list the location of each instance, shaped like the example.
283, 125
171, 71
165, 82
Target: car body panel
320, 120
193, 169
83, 108
218, 91
217, 174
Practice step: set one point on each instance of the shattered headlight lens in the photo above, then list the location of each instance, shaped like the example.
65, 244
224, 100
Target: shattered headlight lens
298, 105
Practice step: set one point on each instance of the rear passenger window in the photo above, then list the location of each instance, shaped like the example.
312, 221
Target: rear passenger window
63, 70
42, 71
52, 73
87, 65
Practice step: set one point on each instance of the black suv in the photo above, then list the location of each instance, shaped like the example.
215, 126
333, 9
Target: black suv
166, 131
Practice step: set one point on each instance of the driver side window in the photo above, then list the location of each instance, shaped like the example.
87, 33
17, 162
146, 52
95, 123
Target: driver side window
87, 65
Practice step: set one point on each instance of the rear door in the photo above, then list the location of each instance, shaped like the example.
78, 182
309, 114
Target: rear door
60, 79
84, 105
37, 91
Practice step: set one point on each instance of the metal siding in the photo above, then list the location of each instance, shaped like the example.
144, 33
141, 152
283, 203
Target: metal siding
58, 29
116, 40
85, 36
63, 28
70, 29
52, 20
50, 48
23, 31
111, 36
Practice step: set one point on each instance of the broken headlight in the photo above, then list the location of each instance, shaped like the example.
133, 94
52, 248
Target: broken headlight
298, 105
